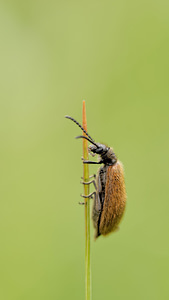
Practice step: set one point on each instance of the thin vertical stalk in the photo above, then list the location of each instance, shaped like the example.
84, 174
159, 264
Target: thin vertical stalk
87, 213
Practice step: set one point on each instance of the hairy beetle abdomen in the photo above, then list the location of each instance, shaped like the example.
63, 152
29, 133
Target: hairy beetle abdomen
115, 199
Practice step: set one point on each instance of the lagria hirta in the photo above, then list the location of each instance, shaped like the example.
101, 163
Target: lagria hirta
110, 195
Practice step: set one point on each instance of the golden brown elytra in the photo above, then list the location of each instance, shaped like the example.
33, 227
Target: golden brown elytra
110, 194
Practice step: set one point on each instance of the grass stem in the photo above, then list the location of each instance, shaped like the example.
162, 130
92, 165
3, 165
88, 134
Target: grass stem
87, 213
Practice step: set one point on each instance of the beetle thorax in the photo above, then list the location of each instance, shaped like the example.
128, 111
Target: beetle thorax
109, 157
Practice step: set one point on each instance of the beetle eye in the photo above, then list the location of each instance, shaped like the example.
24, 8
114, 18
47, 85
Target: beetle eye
99, 150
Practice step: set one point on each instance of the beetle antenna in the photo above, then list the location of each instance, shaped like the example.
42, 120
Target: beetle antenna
68, 117
86, 138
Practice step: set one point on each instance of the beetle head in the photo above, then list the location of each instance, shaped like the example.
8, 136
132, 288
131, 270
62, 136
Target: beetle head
98, 148
107, 155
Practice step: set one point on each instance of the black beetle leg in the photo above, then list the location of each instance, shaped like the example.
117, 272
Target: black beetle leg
91, 176
90, 196
89, 182
92, 162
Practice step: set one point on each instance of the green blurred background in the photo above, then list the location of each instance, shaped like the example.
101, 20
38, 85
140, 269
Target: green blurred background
54, 54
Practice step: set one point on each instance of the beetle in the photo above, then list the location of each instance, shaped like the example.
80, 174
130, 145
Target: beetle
110, 195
